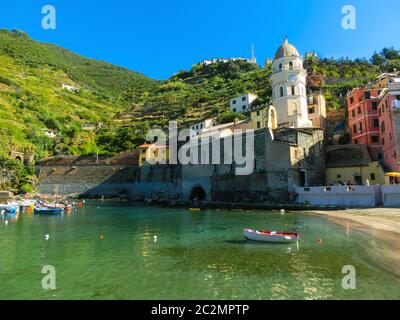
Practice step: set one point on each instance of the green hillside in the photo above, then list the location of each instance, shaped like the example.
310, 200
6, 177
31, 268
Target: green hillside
113, 107
32, 98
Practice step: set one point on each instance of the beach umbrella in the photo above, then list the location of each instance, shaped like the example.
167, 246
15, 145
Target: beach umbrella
393, 174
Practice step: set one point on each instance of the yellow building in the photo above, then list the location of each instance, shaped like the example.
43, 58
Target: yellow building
352, 163
261, 115
153, 153
257, 118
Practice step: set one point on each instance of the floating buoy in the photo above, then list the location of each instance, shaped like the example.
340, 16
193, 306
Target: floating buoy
282, 211
101, 237
319, 240
155, 238
47, 237
6, 222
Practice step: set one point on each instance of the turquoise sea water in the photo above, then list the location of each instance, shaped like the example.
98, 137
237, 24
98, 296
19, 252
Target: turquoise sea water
196, 255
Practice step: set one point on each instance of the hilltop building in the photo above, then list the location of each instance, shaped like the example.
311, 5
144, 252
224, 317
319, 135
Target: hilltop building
243, 103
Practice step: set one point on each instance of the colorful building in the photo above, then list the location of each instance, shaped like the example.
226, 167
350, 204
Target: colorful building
389, 120
354, 164
363, 120
152, 153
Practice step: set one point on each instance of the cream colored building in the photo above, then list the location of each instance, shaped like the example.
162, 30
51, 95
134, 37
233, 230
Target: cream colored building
289, 87
317, 110
243, 103
199, 127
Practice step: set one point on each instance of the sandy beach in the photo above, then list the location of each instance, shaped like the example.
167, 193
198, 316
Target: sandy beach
386, 219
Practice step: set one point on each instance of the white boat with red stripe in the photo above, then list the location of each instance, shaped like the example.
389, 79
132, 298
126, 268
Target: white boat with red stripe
271, 236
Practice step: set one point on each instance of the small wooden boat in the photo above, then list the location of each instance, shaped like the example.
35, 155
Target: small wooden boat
48, 211
271, 236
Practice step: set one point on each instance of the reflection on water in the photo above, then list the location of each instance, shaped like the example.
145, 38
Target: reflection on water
154, 253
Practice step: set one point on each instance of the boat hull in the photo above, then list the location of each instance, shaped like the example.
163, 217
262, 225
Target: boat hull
269, 237
53, 211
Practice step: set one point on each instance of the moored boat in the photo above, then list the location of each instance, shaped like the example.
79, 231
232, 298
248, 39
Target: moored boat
271, 236
48, 211
10, 210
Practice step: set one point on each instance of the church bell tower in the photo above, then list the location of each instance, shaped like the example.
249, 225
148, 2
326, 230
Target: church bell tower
289, 94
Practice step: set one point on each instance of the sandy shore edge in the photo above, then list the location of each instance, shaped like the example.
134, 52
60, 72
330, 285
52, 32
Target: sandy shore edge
384, 219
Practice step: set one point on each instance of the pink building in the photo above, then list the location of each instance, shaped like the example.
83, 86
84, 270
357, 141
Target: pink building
389, 123
363, 119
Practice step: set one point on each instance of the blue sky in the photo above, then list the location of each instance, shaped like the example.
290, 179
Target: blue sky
161, 37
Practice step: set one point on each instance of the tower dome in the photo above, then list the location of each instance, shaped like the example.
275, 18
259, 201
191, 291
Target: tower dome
286, 50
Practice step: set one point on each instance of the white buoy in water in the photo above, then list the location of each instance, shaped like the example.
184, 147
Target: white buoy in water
282, 211
47, 237
6, 222
155, 238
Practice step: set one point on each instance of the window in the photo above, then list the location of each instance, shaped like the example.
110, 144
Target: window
355, 141
338, 176
383, 126
397, 97
376, 123
351, 100
395, 155
367, 95
390, 136
380, 112
234, 110
353, 113
258, 124
375, 139
234, 102
291, 65
281, 91
374, 105
379, 156
293, 91
383, 142
243, 108
372, 176
258, 112
359, 109
280, 66
354, 128
244, 99
360, 126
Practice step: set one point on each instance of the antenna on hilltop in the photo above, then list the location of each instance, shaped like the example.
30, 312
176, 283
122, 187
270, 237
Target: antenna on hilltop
253, 57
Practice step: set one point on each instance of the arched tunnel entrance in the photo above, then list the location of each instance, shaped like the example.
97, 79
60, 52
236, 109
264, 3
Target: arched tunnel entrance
198, 194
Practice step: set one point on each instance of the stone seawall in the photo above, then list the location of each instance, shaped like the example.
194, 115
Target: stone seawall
91, 181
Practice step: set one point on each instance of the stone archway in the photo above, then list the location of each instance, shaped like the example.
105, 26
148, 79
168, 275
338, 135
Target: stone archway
198, 194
